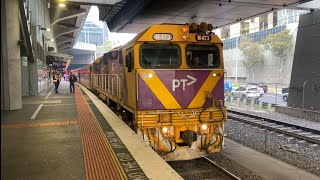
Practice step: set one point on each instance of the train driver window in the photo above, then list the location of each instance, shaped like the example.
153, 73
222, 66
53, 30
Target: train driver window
160, 56
202, 56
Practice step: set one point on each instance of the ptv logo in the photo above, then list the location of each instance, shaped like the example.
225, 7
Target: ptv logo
177, 82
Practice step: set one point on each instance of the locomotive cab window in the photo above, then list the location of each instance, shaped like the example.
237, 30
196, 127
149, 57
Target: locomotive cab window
203, 56
160, 56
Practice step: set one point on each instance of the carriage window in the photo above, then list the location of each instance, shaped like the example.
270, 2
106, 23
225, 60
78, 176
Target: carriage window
203, 56
160, 55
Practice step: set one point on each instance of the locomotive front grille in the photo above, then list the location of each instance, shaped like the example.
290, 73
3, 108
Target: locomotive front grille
179, 118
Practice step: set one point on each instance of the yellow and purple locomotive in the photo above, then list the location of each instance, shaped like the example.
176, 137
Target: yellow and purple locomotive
168, 85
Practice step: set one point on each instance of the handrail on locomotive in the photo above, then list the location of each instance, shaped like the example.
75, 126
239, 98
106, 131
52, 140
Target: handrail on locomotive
99, 81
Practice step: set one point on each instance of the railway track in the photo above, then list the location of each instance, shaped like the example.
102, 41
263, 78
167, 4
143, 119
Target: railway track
296, 131
201, 168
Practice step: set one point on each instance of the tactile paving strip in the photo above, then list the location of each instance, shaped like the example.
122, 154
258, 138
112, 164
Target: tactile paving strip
99, 159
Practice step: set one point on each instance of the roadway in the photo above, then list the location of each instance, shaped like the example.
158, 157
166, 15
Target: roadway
273, 98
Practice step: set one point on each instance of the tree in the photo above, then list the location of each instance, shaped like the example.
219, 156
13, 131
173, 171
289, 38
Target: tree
252, 53
279, 44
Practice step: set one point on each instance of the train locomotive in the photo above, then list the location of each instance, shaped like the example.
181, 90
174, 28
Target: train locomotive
153, 83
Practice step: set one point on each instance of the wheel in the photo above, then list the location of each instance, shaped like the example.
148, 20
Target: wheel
285, 98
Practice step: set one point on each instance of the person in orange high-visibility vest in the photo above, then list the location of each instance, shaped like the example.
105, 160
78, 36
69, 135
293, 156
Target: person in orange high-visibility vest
56, 81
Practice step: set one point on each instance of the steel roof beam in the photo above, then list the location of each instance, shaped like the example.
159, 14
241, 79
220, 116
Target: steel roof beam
61, 30
67, 14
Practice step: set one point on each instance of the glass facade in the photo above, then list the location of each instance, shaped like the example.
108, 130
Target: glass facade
94, 33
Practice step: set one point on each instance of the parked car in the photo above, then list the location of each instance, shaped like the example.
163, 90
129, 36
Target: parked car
260, 90
285, 97
260, 84
285, 90
246, 93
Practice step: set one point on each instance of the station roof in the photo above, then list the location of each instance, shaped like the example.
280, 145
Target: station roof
135, 15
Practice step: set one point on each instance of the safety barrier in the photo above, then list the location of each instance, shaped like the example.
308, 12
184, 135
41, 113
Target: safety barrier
252, 103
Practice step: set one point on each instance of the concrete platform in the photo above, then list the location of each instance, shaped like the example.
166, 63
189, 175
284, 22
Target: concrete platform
263, 165
65, 136
76, 136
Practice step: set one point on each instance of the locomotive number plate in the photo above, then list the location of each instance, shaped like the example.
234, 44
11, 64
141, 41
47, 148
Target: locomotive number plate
203, 37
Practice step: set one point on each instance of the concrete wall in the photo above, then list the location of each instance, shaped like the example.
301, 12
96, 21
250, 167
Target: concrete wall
300, 113
305, 79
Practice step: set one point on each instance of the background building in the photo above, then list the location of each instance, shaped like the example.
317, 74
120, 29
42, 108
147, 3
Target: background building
94, 32
258, 29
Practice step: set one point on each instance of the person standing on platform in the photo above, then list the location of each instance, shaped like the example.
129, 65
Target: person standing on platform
72, 80
56, 81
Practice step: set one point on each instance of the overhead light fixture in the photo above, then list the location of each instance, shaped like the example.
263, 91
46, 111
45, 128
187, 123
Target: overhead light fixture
62, 5
45, 29
50, 40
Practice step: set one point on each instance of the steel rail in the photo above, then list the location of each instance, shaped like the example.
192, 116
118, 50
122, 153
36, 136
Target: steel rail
239, 116
221, 169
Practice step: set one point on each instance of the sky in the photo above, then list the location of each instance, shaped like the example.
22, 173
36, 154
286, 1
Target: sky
118, 38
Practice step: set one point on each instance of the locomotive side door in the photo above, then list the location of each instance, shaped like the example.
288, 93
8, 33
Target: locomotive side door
130, 77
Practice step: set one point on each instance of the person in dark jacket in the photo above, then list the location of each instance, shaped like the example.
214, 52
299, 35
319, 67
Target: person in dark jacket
56, 81
72, 80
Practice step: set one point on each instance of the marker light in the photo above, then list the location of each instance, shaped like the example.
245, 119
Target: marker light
144, 75
165, 129
204, 127
185, 37
150, 75
185, 29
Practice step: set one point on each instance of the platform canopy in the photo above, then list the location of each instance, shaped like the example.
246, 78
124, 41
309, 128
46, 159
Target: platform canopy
136, 15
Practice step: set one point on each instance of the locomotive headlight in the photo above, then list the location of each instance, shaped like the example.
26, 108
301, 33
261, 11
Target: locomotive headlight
150, 75
214, 74
165, 129
204, 127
